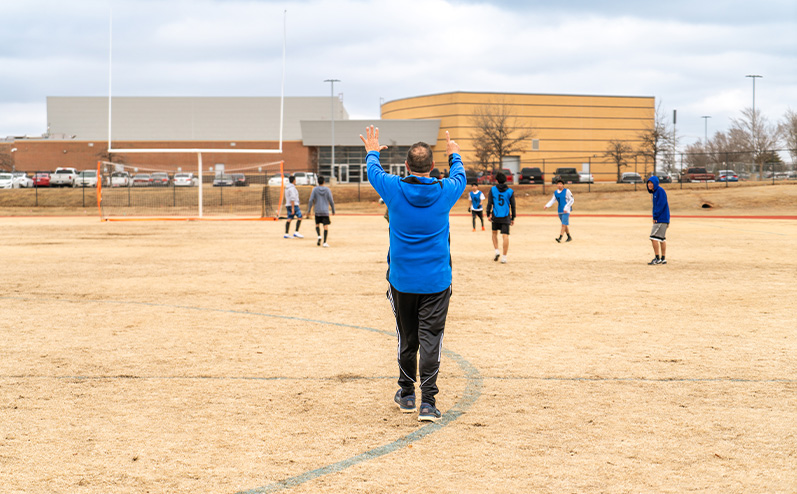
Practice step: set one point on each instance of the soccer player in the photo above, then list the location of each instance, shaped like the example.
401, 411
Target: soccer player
661, 220
501, 212
292, 205
476, 199
419, 262
565, 199
322, 197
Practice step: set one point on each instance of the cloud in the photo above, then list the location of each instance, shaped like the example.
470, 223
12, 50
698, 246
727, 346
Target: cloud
691, 56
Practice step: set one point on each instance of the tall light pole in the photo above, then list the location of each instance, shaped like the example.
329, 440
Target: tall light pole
705, 128
332, 116
755, 128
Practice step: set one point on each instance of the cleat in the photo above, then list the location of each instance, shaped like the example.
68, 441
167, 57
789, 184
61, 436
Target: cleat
655, 261
406, 404
326, 244
298, 235
569, 238
496, 257
428, 413
482, 228
473, 230
662, 261
319, 241
286, 236
558, 240
503, 259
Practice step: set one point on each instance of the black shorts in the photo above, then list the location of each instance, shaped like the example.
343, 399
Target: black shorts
504, 227
322, 220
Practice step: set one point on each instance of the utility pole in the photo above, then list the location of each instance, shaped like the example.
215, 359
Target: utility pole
705, 128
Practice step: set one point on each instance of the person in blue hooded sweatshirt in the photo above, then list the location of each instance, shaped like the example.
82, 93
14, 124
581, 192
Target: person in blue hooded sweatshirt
661, 220
419, 262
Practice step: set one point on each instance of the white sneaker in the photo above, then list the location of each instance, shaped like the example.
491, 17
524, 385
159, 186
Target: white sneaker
298, 235
503, 259
326, 244
286, 236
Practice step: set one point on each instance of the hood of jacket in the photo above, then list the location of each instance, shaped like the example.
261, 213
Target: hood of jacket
655, 181
502, 187
421, 192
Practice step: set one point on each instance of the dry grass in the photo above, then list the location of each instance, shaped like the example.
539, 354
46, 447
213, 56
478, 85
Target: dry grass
143, 357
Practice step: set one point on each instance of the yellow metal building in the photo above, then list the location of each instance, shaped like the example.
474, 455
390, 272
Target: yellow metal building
569, 130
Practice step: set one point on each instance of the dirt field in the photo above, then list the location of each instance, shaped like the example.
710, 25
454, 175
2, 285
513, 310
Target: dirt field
217, 357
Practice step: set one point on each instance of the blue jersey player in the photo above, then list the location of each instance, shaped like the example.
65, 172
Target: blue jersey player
565, 199
501, 212
476, 208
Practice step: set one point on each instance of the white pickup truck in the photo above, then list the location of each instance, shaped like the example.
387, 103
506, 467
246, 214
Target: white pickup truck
63, 177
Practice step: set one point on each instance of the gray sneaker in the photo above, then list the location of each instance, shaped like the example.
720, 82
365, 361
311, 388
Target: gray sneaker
655, 261
428, 413
406, 404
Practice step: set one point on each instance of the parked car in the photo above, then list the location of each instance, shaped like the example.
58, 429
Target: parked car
471, 177
239, 179
630, 178
664, 178
6, 181
160, 179
86, 178
727, 176
568, 175
41, 179
223, 180
304, 178
275, 180
22, 180
531, 176
485, 178
120, 179
142, 180
696, 175
586, 178
63, 177
185, 180
510, 177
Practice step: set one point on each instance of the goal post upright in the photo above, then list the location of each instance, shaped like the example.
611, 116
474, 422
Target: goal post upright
199, 172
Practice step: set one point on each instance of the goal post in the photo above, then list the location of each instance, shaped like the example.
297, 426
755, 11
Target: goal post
140, 191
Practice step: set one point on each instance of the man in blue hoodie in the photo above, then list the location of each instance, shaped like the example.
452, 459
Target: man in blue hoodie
661, 220
419, 262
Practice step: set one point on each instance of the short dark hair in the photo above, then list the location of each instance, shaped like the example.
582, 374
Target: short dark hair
474, 185
500, 178
420, 158
321, 180
560, 181
291, 179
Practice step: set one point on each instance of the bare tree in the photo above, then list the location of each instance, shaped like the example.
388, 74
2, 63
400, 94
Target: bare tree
483, 154
697, 155
6, 162
725, 149
788, 130
498, 133
619, 152
761, 137
656, 139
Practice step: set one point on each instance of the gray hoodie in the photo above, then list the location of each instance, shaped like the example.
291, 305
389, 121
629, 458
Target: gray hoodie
322, 197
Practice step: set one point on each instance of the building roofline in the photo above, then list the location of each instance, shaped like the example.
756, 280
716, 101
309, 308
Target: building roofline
517, 94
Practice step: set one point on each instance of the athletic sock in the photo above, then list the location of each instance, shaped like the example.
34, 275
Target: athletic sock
287, 227
497, 252
325, 235
317, 231
662, 258
657, 257
298, 222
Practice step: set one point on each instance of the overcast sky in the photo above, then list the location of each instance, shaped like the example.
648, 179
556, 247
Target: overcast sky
691, 55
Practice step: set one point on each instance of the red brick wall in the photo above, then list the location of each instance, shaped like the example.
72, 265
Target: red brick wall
46, 155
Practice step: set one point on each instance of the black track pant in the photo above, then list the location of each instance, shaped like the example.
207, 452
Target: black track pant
474, 214
420, 321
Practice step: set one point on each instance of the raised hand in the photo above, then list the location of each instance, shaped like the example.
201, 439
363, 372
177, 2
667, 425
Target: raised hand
372, 140
451, 146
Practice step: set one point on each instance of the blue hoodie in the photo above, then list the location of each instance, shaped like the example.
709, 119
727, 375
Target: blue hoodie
661, 209
419, 259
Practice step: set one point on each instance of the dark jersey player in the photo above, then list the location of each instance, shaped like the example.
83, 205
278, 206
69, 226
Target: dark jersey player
501, 212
